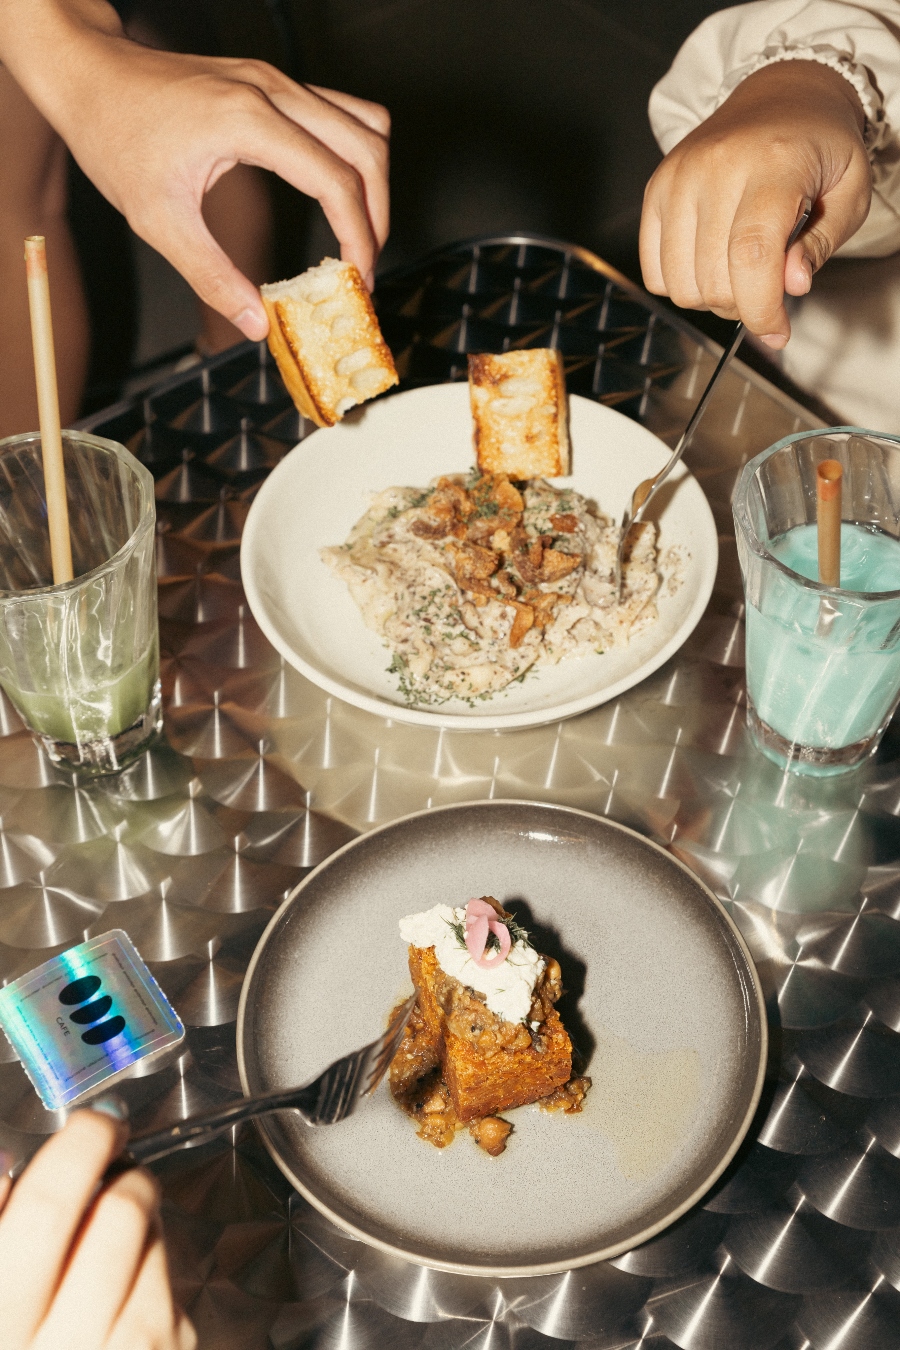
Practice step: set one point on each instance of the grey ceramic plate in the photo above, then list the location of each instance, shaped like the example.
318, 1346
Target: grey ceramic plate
664, 1002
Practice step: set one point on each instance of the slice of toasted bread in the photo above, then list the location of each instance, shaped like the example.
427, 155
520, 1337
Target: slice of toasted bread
521, 419
325, 338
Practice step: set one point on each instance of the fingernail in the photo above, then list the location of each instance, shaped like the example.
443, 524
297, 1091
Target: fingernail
110, 1104
7, 1163
806, 264
252, 324
370, 280
776, 340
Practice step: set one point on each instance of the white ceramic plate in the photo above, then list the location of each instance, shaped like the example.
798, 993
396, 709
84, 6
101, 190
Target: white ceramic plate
662, 999
319, 491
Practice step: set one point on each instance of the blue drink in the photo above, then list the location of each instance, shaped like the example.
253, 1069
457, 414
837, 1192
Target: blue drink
826, 684
823, 663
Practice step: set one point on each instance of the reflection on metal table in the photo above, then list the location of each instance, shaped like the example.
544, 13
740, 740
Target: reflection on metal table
263, 775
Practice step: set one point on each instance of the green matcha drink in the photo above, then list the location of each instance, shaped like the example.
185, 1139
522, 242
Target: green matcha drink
80, 660
833, 684
102, 710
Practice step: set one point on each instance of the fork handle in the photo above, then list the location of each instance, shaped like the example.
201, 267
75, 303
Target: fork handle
650, 485
147, 1147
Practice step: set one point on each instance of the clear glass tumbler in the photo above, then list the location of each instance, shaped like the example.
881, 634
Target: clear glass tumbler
823, 662
80, 661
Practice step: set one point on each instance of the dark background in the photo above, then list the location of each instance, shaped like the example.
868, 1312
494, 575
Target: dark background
507, 115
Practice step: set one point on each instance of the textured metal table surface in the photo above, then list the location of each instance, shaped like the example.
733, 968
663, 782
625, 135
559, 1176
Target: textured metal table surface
263, 775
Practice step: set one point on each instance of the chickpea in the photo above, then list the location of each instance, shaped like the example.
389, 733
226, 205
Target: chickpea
435, 1104
491, 1134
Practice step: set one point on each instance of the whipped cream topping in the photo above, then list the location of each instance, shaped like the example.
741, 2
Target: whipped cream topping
508, 988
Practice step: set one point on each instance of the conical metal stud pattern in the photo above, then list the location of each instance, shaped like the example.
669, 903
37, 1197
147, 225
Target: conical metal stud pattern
37, 914
190, 483
253, 785
207, 731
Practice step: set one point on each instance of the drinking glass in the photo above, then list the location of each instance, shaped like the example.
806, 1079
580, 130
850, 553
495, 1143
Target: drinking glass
823, 662
80, 661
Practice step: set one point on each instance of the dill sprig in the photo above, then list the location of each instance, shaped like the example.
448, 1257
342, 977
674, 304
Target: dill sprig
459, 931
516, 932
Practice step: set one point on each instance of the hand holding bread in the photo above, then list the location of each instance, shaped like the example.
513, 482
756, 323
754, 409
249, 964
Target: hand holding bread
156, 130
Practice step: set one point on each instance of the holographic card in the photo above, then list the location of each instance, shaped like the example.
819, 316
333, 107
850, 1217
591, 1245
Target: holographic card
85, 1017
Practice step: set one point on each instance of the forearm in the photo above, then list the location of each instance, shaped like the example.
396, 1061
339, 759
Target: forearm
793, 99
731, 44
51, 46
155, 131
855, 43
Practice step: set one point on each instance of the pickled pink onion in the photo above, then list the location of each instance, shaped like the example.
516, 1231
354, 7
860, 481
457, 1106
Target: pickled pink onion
479, 908
481, 920
476, 935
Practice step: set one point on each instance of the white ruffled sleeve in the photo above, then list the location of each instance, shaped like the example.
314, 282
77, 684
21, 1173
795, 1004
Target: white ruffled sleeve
859, 41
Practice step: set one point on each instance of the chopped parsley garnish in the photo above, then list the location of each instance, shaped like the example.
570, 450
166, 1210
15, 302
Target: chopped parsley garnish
394, 511
400, 667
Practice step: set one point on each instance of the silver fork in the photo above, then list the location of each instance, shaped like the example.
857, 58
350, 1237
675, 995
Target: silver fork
645, 491
326, 1100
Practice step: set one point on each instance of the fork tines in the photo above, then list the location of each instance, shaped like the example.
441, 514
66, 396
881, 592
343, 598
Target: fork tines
384, 1050
339, 1088
348, 1079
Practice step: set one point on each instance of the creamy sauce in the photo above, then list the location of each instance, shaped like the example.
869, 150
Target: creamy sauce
450, 640
507, 989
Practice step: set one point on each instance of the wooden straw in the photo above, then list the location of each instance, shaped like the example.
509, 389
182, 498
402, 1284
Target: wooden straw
48, 408
828, 503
